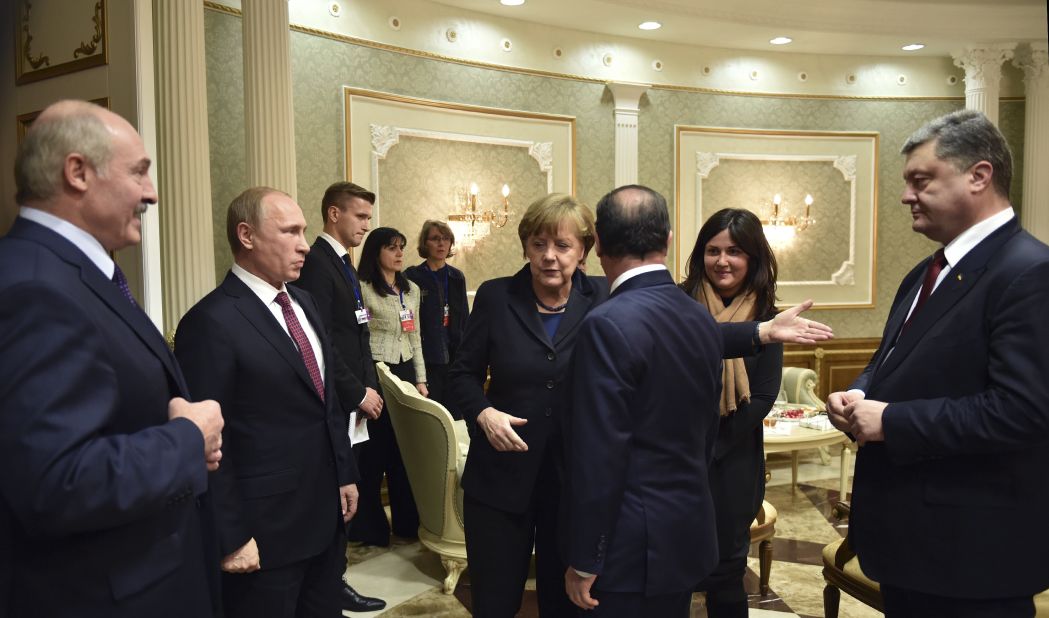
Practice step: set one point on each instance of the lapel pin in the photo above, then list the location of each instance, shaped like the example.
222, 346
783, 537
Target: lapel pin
959, 277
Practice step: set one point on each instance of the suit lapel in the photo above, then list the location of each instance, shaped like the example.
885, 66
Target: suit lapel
958, 282
335, 262
259, 316
579, 304
522, 304
107, 292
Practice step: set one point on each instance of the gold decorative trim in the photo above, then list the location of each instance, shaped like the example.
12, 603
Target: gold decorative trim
30, 69
24, 120
344, 38
459, 107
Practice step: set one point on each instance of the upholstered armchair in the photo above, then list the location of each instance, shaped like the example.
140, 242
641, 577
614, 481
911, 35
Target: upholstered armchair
433, 447
799, 386
762, 529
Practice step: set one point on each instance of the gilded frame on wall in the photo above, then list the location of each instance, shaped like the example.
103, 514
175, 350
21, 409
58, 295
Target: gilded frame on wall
87, 48
24, 120
834, 261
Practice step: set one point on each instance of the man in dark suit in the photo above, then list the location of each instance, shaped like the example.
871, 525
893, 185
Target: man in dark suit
287, 484
103, 463
328, 275
952, 413
641, 426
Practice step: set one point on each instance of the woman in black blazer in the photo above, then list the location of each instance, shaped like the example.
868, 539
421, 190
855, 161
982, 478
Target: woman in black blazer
732, 271
443, 309
521, 332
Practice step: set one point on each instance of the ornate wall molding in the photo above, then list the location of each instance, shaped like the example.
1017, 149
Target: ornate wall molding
84, 51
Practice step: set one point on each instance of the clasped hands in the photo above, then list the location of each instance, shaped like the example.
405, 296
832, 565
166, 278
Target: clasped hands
852, 413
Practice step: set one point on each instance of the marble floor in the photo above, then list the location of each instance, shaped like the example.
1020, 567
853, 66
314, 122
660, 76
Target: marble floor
409, 577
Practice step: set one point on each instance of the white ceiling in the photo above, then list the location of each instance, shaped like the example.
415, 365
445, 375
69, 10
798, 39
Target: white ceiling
851, 27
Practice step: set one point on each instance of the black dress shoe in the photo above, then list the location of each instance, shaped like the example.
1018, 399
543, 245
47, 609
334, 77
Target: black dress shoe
353, 601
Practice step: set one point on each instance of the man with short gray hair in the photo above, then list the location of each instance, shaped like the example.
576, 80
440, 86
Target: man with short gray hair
103, 462
952, 412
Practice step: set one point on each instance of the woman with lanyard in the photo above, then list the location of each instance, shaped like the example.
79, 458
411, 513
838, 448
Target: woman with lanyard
442, 310
392, 302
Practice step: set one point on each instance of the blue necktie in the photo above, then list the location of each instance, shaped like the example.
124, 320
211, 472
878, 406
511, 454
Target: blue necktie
121, 282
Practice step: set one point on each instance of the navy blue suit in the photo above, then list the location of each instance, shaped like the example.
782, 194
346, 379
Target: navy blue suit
101, 493
939, 506
641, 431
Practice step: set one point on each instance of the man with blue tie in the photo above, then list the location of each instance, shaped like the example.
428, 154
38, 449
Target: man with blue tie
288, 482
952, 412
103, 462
328, 275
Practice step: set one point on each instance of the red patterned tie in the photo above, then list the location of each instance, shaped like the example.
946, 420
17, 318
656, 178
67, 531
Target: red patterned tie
932, 273
303, 342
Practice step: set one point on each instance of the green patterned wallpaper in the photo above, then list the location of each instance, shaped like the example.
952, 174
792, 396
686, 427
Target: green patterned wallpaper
321, 66
816, 253
417, 181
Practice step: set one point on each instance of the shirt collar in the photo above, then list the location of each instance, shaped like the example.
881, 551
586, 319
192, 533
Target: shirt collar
633, 272
964, 243
82, 240
266, 292
336, 245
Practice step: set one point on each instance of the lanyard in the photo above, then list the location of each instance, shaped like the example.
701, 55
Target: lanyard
390, 288
437, 284
353, 282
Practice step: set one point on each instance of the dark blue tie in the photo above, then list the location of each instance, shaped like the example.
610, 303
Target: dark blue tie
347, 268
121, 282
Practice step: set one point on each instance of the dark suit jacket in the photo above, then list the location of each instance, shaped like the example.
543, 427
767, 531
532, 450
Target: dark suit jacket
285, 452
641, 430
506, 336
940, 505
431, 312
98, 489
324, 278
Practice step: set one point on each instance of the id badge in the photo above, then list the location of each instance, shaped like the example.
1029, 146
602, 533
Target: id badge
362, 316
446, 318
407, 320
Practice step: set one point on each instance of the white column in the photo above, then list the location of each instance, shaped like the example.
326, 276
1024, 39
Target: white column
983, 76
627, 97
187, 257
1035, 213
268, 113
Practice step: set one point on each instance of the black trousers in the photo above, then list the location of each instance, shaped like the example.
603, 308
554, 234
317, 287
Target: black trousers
305, 589
726, 595
437, 385
904, 603
499, 549
380, 456
637, 605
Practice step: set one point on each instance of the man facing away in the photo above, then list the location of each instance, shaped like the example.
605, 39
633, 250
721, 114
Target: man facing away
328, 274
287, 484
952, 412
641, 426
103, 462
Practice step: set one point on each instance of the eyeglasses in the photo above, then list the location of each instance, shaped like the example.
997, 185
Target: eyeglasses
439, 239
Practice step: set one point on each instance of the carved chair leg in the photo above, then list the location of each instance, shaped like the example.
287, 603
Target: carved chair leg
831, 596
454, 567
765, 565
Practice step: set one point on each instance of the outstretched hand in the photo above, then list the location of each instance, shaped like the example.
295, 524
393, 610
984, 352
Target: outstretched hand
790, 327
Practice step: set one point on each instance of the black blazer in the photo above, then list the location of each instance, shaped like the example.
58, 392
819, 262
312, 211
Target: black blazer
99, 492
431, 312
640, 436
324, 277
505, 336
285, 452
938, 505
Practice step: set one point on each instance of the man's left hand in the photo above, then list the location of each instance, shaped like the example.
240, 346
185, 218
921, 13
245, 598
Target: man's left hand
865, 420
348, 500
578, 589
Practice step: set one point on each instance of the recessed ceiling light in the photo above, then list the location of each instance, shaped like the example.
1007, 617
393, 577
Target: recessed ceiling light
511, 2
781, 40
650, 25
913, 47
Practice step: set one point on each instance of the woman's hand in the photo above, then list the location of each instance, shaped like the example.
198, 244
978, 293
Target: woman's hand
499, 427
421, 387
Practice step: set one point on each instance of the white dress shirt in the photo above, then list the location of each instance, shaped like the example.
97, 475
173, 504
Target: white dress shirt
633, 272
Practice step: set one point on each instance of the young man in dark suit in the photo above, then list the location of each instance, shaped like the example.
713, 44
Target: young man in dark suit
328, 274
951, 413
287, 484
103, 462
